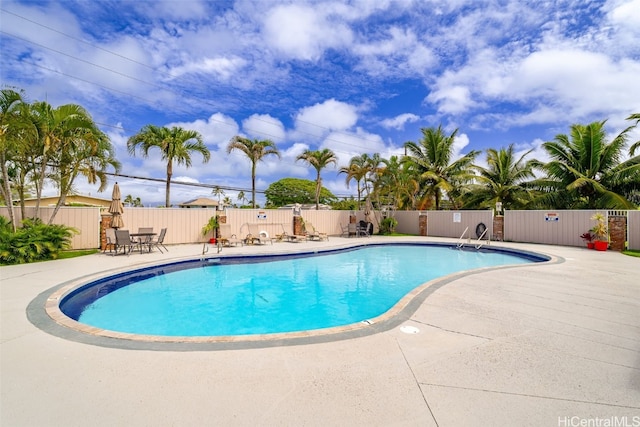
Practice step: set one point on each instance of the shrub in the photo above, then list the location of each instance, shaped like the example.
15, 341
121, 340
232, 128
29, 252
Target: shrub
388, 225
34, 241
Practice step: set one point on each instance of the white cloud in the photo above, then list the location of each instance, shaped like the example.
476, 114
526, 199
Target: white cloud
315, 121
216, 131
301, 32
398, 122
223, 67
264, 126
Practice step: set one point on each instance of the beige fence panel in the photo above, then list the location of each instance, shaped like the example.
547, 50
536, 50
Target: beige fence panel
183, 225
407, 222
86, 220
560, 227
633, 229
327, 221
453, 223
273, 221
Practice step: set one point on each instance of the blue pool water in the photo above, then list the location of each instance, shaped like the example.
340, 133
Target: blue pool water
281, 295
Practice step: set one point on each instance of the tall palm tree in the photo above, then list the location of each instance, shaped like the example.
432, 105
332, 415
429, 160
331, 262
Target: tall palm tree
430, 159
11, 125
585, 171
357, 170
504, 180
318, 159
255, 150
84, 151
176, 144
636, 145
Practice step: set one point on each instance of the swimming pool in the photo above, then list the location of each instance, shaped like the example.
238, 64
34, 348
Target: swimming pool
239, 296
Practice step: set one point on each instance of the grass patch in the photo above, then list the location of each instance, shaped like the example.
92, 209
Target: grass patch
635, 253
73, 254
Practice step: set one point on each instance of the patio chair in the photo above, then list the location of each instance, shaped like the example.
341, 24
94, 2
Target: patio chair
145, 240
110, 236
352, 229
123, 240
365, 228
158, 241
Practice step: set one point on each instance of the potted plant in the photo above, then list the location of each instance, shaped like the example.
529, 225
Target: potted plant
600, 232
588, 238
211, 227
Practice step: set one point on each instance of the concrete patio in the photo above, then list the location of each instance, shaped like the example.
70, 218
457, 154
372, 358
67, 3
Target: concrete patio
539, 345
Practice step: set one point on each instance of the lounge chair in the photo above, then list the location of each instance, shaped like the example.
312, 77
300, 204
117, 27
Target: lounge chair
123, 240
262, 238
158, 241
313, 234
226, 238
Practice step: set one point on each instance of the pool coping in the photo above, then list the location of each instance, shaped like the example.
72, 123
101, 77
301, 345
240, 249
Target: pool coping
44, 311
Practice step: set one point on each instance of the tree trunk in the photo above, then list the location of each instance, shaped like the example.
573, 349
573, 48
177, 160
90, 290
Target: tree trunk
253, 185
167, 203
6, 192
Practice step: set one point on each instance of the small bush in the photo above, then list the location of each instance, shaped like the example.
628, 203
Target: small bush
34, 241
388, 225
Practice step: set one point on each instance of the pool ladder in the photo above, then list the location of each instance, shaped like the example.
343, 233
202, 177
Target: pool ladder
205, 247
478, 244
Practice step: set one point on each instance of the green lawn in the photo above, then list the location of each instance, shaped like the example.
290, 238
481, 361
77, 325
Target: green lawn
73, 254
632, 253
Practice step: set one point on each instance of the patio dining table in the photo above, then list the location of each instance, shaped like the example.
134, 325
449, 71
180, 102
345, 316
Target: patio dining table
143, 239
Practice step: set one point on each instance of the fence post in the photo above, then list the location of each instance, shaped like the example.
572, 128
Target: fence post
617, 232
498, 228
422, 224
105, 222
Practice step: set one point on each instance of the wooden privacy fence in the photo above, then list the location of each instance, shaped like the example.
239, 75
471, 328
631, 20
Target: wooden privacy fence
562, 227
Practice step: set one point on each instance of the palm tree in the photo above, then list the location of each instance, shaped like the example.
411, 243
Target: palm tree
430, 159
503, 180
585, 171
358, 169
318, 159
255, 150
176, 145
241, 197
636, 145
81, 149
11, 124
217, 191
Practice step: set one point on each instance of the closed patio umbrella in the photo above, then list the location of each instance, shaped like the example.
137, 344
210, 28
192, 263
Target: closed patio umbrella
116, 208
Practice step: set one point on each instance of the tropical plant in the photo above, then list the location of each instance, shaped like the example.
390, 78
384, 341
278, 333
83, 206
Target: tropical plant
586, 172
34, 241
388, 225
211, 226
504, 180
255, 150
82, 150
131, 201
600, 230
217, 191
357, 170
11, 124
176, 145
431, 160
318, 159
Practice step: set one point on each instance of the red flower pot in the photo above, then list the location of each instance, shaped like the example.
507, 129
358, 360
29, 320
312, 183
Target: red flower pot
601, 245
590, 245
212, 240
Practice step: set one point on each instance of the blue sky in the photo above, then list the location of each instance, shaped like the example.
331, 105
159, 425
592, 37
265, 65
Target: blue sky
357, 77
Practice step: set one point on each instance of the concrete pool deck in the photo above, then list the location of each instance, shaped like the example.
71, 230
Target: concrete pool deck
538, 345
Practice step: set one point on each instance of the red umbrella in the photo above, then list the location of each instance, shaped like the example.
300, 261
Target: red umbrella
116, 208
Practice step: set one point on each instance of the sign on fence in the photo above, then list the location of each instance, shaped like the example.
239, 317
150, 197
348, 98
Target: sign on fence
551, 217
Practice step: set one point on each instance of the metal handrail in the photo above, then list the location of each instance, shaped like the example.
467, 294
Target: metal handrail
460, 241
478, 244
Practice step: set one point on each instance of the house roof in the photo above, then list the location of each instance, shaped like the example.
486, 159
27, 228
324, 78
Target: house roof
201, 202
